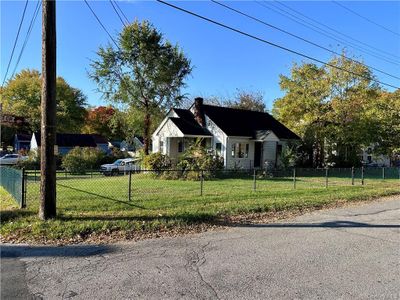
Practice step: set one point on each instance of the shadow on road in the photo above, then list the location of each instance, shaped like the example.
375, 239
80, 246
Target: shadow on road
333, 224
13, 251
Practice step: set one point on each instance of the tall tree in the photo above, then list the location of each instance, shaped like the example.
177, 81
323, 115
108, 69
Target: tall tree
144, 71
21, 96
247, 100
328, 108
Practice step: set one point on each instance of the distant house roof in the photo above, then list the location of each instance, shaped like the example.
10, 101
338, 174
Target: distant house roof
187, 124
240, 122
75, 140
23, 137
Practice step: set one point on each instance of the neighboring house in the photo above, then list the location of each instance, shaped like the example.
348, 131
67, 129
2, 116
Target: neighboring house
372, 160
65, 142
243, 138
134, 147
22, 142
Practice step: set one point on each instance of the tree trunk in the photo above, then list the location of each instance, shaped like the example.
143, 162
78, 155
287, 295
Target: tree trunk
147, 124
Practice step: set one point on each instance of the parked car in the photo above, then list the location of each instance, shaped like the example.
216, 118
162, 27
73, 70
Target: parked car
119, 166
12, 159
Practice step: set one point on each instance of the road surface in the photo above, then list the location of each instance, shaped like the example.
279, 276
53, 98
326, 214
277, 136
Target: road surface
346, 253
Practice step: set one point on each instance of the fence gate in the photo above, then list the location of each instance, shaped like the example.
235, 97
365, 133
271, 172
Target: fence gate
13, 181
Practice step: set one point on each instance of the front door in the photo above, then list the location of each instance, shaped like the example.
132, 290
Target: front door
257, 154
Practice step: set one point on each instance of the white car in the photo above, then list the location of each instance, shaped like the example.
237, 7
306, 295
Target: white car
119, 166
11, 159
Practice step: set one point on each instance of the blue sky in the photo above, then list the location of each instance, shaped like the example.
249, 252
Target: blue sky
223, 61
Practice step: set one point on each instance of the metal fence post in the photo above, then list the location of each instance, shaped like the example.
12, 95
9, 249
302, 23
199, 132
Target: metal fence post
201, 182
326, 178
294, 178
352, 175
383, 173
129, 185
254, 180
362, 175
23, 200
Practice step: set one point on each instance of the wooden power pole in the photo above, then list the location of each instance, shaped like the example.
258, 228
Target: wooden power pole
47, 208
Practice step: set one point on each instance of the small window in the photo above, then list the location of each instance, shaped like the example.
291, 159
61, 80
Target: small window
278, 150
162, 146
240, 150
180, 146
218, 149
369, 158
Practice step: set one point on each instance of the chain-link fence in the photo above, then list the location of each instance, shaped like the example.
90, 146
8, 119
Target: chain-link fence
150, 185
13, 181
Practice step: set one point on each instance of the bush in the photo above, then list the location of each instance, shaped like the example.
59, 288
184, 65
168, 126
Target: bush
196, 158
33, 161
78, 160
156, 161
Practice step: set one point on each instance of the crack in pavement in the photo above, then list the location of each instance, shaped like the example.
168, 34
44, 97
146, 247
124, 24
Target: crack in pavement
195, 263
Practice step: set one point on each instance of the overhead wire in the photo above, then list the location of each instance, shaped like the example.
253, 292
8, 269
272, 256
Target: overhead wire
31, 25
365, 18
379, 51
299, 37
15, 42
271, 43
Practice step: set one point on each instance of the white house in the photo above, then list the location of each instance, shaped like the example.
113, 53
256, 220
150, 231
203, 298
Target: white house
243, 138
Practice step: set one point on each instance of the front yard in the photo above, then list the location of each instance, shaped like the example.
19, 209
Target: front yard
97, 209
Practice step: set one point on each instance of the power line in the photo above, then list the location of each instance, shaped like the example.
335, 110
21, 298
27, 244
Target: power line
270, 43
101, 24
380, 51
31, 24
122, 12
15, 42
322, 31
116, 11
299, 37
365, 18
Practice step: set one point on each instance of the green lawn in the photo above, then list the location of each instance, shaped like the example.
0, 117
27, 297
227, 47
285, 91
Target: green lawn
100, 205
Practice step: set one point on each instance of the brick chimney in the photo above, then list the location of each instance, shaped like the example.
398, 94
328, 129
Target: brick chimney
199, 112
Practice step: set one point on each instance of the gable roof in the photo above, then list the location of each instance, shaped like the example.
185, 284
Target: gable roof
75, 139
187, 124
241, 122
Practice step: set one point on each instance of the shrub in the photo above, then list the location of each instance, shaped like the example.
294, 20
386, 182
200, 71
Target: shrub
156, 161
287, 158
196, 158
78, 160
33, 161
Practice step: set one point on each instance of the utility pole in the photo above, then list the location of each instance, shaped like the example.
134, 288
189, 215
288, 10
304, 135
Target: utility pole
47, 209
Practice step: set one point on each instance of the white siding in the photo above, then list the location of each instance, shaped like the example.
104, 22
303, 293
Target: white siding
241, 163
269, 153
218, 137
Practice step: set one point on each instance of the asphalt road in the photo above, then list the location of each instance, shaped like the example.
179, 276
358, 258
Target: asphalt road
347, 253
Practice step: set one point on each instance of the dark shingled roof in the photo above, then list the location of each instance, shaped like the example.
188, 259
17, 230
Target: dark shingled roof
23, 137
240, 122
75, 139
187, 124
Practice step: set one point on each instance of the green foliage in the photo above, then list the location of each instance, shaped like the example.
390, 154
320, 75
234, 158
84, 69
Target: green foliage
330, 109
79, 160
156, 161
145, 72
196, 158
21, 97
288, 157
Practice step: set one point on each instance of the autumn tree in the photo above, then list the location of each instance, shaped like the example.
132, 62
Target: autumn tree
21, 97
99, 120
328, 108
144, 71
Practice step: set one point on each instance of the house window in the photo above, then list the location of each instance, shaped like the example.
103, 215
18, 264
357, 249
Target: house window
278, 150
162, 146
180, 146
369, 158
218, 149
240, 150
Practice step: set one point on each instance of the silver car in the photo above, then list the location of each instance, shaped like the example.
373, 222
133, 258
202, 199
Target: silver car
11, 159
